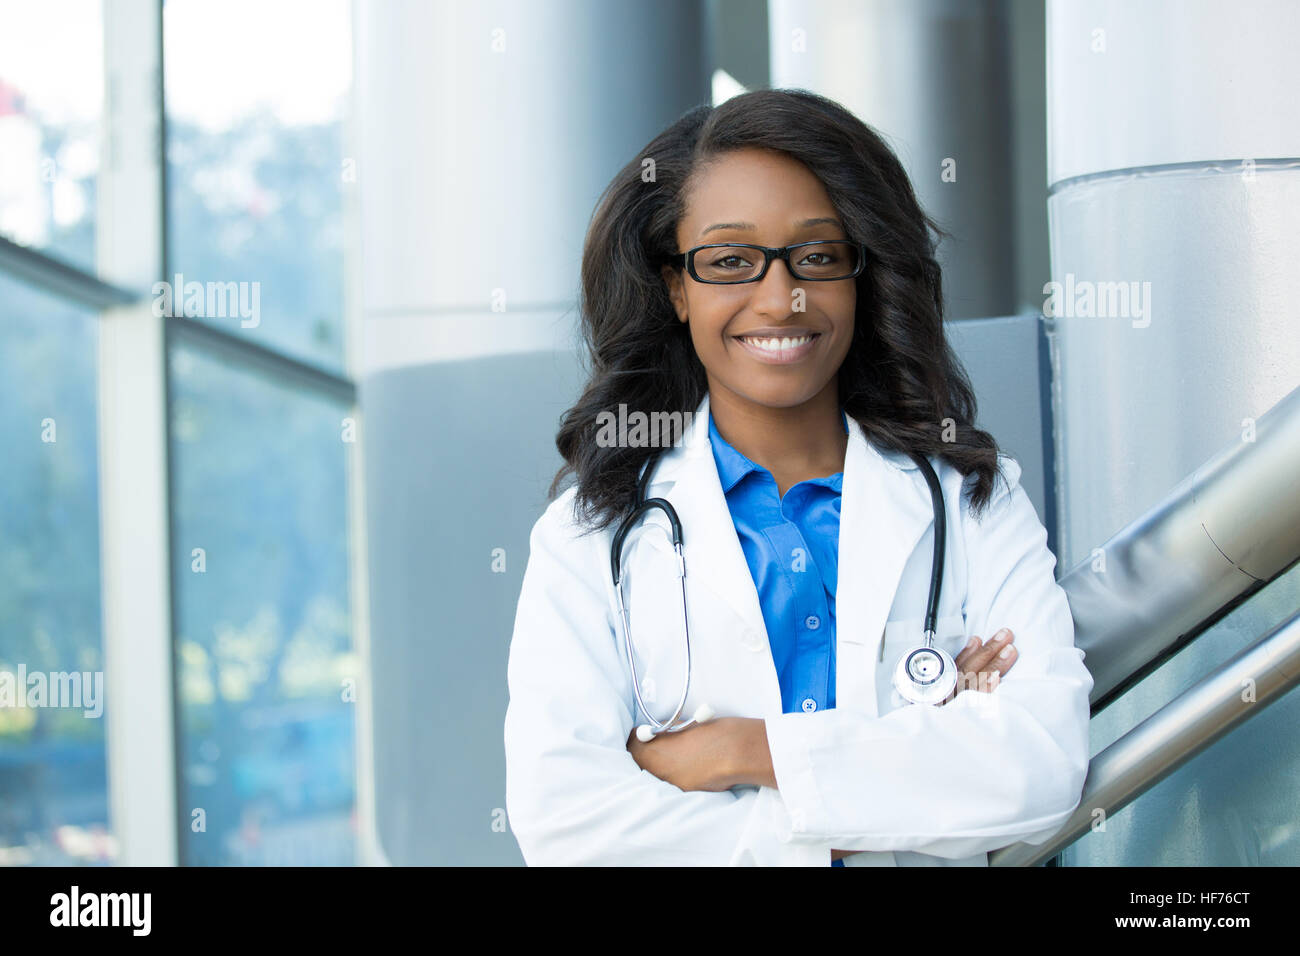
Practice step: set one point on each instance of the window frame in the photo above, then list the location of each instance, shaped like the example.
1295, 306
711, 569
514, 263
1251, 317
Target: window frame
136, 468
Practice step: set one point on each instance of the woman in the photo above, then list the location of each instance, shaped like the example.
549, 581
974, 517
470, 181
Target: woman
813, 371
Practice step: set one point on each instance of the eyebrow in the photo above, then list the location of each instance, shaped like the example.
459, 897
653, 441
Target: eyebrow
822, 221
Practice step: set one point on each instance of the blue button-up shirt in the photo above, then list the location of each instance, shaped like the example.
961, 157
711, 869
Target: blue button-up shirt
791, 544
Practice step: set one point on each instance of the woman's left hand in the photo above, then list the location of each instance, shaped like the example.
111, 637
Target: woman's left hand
701, 757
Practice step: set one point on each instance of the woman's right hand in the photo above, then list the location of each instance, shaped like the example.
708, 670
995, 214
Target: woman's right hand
981, 665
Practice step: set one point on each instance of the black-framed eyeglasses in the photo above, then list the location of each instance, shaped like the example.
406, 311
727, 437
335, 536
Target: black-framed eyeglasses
729, 263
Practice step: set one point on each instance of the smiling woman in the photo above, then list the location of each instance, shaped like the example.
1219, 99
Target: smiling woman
764, 173
777, 280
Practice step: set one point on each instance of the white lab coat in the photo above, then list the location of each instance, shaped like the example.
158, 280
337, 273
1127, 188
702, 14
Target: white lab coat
912, 784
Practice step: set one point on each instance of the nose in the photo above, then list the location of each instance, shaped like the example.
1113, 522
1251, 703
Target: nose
774, 293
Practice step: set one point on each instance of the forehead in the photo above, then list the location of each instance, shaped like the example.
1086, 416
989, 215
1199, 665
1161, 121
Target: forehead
769, 189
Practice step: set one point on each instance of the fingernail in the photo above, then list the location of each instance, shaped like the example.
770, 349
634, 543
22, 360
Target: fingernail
970, 643
1002, 634
1005, 652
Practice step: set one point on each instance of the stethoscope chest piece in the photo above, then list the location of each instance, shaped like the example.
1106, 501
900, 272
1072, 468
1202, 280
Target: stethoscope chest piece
925, 675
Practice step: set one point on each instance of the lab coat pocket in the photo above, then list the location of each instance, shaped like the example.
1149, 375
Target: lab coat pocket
899, 638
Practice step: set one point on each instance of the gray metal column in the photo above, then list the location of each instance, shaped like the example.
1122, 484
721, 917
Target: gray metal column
933, 77
488, 131
1173, 141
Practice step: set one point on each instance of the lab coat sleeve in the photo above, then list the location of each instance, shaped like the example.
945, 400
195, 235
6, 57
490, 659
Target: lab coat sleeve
574, 794
985, 770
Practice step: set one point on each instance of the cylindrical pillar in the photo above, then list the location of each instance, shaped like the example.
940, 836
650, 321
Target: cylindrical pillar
932, 76
1174, 194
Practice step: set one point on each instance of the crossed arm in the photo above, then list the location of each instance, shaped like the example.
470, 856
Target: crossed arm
732, 751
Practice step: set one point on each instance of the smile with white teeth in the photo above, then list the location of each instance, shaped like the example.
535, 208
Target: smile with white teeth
777, 345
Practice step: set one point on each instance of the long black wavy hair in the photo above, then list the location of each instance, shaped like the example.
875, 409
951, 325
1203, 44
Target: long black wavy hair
900, 379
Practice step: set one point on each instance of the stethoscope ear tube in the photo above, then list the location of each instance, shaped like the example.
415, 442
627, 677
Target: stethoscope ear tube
616, 549
646, 732
641, 507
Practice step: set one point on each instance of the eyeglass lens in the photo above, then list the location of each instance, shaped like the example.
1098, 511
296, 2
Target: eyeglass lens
824, 260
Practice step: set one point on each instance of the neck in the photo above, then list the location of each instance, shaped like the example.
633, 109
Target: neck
794, 444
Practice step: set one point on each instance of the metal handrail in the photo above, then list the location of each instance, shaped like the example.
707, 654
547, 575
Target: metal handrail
1234, 692
1220, 535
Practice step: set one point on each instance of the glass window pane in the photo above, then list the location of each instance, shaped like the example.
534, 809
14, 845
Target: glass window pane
255, 166
53, 786
50, 108
264, 657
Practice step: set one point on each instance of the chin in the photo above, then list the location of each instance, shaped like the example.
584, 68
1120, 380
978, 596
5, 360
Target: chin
785, 395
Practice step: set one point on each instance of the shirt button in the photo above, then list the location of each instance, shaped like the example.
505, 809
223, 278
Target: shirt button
750, 641
809, 705
812, 622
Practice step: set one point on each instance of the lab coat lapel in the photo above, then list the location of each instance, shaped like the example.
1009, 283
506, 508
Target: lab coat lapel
885, 508
688, 477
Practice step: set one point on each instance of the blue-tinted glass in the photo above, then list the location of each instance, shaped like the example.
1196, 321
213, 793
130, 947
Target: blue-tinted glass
53, 786
265, 665
256, 174
50, 108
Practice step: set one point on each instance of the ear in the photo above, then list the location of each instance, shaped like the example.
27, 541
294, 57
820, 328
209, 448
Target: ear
676, 293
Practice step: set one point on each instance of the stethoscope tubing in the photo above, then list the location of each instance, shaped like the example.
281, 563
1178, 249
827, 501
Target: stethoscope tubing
940, 546
616, 553
645, 505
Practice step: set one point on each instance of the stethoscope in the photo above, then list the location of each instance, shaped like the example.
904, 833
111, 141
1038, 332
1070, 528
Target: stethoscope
925, 674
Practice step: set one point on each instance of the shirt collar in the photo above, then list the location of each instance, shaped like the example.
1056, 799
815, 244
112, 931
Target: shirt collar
732, 465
